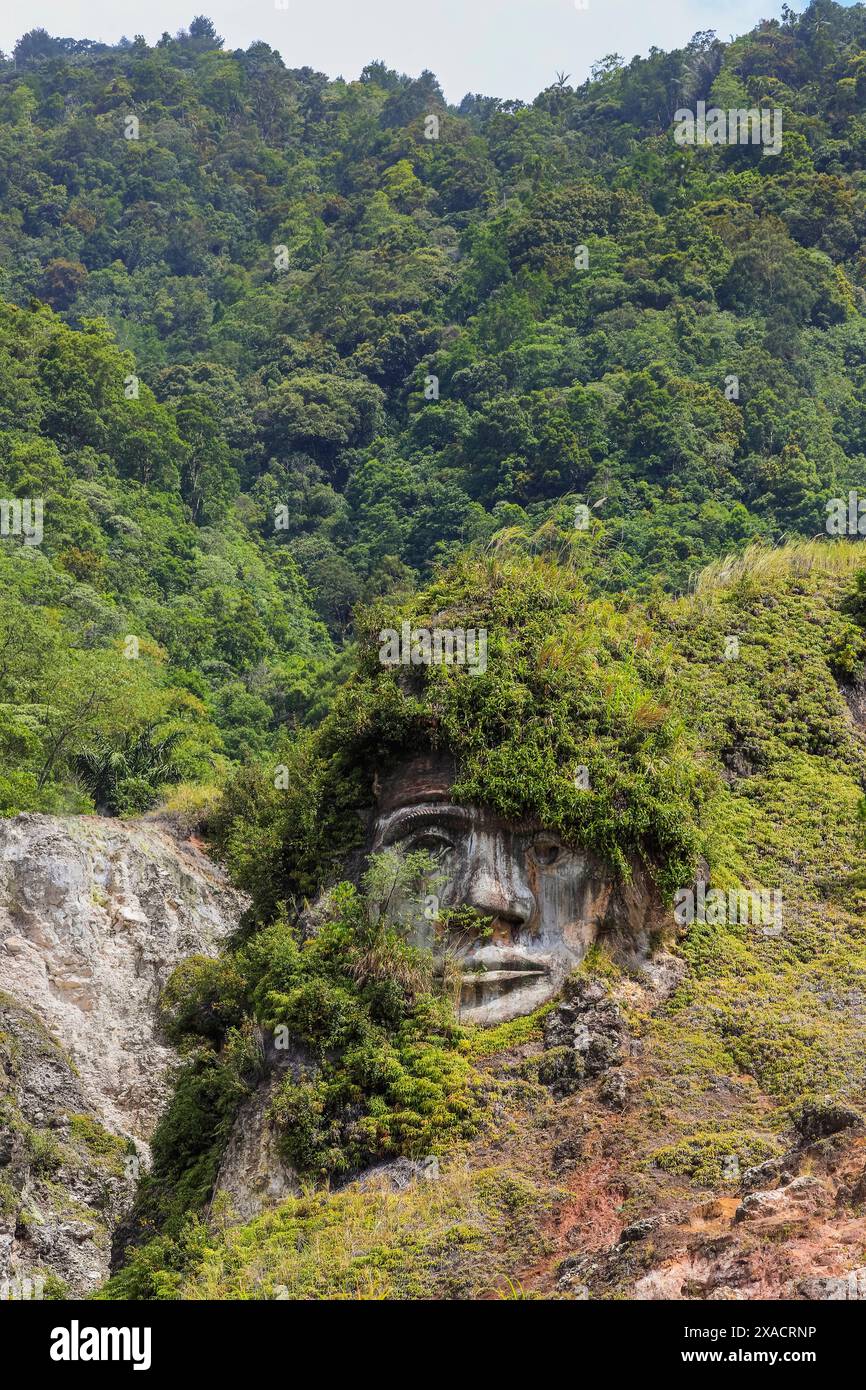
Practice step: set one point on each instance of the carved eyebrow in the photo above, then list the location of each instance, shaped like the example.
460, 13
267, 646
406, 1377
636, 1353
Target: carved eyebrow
415, 816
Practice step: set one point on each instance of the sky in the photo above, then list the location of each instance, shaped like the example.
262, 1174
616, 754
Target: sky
504, 48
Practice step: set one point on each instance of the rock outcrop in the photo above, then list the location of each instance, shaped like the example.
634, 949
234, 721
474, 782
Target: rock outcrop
94, 916
64, 1179
796, 1231
253, 1175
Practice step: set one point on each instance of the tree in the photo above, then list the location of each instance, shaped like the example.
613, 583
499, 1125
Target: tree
208, 481
203, 34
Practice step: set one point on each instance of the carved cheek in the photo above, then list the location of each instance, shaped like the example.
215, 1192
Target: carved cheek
458, 870
573, 904
485, 855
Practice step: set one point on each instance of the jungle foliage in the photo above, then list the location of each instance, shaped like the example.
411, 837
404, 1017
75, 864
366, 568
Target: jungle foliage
282, 354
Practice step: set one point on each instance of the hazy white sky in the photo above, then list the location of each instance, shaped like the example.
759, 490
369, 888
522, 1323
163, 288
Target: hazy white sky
506, 48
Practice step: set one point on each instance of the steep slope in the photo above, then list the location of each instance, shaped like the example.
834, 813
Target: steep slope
656, 1100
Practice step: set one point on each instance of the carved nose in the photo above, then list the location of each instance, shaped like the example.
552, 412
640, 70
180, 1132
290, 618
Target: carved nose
488, 895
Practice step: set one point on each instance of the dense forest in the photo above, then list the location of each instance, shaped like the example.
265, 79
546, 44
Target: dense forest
274, 347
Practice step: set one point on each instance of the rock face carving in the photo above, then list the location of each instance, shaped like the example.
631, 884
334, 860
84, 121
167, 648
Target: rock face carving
545, 903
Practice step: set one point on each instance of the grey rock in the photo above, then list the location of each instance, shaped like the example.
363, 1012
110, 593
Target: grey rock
253, 1174
836, 1287
94, 916
613, 1091
590, 1022
803, 1192
638, 1230
819, 1119
773, 1172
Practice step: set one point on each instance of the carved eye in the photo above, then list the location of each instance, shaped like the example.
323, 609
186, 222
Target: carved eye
546, 850
432, 842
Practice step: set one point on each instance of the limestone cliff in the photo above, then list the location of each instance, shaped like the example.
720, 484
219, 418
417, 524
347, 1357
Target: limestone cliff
94, 916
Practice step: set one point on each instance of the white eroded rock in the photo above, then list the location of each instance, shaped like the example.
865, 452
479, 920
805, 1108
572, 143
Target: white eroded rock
94, 916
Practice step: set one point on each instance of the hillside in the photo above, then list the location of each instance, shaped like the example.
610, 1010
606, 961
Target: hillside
428, 511
666, 1091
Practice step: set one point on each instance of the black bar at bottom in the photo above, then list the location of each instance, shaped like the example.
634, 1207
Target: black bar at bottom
63, 1339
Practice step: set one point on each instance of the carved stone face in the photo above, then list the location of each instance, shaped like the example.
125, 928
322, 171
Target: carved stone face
545, 903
